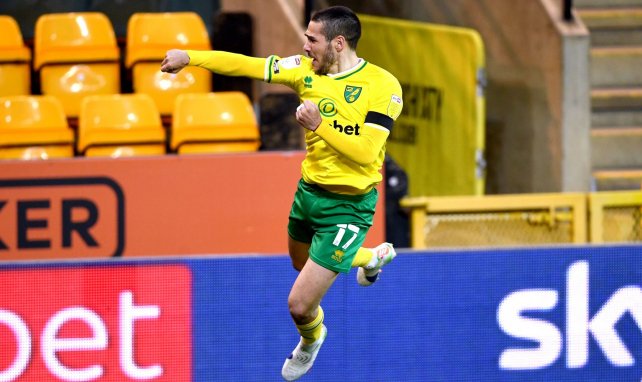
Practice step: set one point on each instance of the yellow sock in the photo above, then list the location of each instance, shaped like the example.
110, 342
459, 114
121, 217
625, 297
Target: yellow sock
311, 332
362, 258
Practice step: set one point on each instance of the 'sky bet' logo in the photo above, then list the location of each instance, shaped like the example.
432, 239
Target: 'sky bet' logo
514, 320
96, 323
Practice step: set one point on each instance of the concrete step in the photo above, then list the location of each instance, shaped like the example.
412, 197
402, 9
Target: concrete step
616, 66
611, 18
606, 3
617, 179
615, 37
616, 117
622, 98
616, 96
616, 147
613, 26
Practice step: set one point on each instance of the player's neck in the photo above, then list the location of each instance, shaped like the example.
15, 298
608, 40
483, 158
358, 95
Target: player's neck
346, 62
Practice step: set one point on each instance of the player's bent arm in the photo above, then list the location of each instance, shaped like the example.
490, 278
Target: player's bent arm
227, 63
364, 149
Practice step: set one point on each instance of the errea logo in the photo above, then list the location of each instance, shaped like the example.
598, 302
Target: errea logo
307, 82
514, 319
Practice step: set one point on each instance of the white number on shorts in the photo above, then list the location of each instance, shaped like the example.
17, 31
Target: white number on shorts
342, 231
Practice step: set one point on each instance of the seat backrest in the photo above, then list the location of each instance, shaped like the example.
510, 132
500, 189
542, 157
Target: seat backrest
15, 59
36, 112
33, 121
74, 37
219, 117
164, 87
119, 119
150, 35
12, 47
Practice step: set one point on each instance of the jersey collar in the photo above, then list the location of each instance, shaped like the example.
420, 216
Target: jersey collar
347, 73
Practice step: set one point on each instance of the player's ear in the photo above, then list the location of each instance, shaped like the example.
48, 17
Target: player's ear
340, 43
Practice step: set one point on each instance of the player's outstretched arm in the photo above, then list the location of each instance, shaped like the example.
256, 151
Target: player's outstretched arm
174, 61
216, 61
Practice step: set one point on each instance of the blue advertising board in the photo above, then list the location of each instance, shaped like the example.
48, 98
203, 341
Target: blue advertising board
516, 314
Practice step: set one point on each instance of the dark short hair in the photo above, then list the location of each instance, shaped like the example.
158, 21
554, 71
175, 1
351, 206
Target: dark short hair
339, 21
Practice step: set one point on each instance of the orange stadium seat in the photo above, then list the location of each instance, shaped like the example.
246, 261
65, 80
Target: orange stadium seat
76, 55
214, 123
120, 125
34, 127
15, 59
149, 36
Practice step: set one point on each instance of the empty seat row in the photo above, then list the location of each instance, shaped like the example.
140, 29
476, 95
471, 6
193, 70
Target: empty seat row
76, 54
35, 127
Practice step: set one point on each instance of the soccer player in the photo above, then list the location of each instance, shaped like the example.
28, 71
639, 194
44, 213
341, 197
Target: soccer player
348, 108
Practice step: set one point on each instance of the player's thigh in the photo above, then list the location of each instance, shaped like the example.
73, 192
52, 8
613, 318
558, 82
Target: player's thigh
309, 288
299, 252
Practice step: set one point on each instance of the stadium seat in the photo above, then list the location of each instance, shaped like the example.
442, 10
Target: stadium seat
76, 55
34, 127
120, 125
15, 60
214, 123
149, 37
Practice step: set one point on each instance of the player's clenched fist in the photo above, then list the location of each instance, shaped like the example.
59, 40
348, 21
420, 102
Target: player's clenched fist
174, 61
308, 115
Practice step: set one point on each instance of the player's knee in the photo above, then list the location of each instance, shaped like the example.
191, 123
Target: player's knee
300, 316
300, 312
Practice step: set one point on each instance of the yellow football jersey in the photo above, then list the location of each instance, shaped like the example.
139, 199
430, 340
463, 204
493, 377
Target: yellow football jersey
358, 108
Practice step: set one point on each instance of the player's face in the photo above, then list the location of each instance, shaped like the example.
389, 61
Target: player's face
319, 49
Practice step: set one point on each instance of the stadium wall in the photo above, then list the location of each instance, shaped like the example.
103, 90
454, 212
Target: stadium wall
527, 314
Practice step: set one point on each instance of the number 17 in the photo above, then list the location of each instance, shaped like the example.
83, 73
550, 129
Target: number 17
342, 230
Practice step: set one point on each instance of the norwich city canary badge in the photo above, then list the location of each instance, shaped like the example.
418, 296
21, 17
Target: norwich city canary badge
351, 93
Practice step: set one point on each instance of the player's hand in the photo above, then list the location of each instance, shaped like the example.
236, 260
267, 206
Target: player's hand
308, 115
175, 60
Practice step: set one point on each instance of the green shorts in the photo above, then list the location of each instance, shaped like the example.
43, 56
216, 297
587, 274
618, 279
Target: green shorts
335, 225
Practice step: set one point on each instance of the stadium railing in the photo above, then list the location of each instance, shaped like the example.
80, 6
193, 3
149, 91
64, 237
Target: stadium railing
492, 220
615, 216
525, 219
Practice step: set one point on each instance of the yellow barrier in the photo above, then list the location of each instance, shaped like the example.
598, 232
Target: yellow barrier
615, 216
497, 220
525, 219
